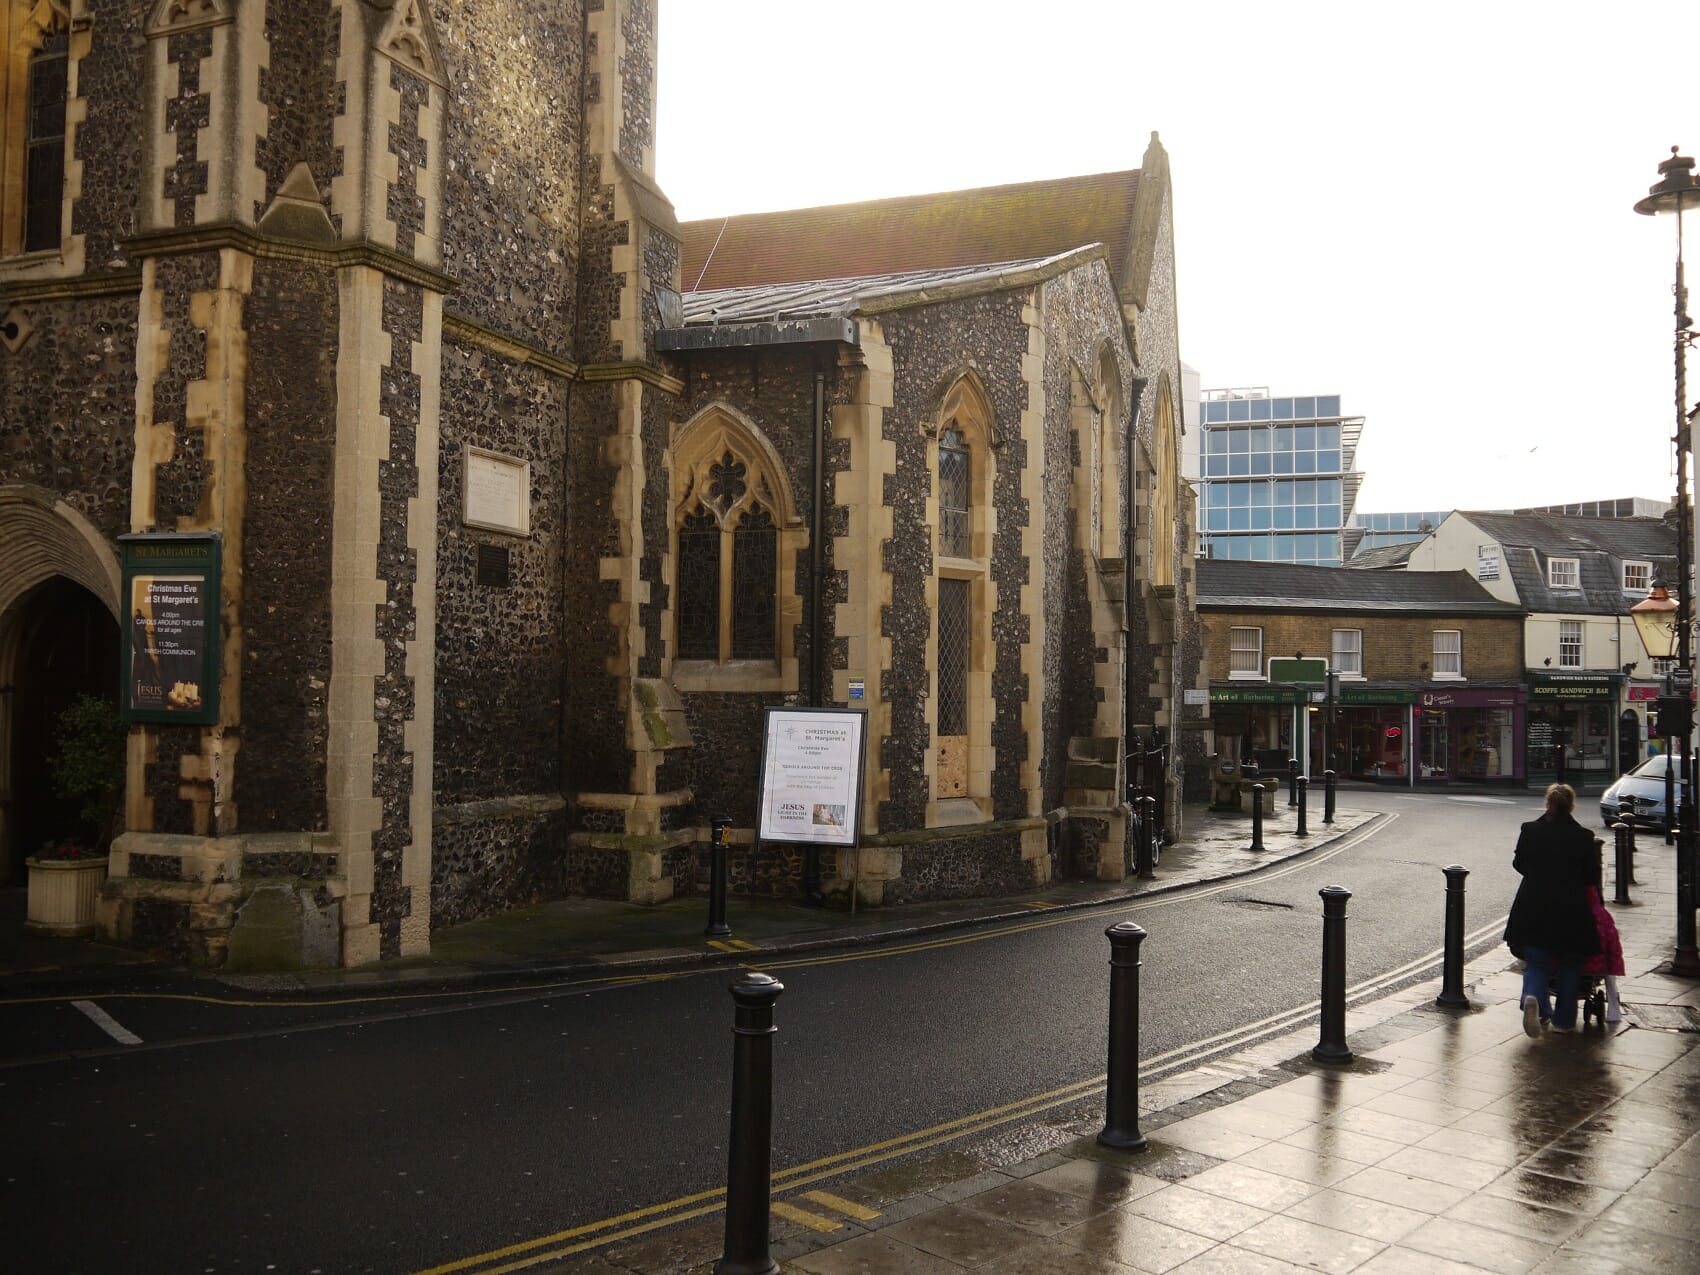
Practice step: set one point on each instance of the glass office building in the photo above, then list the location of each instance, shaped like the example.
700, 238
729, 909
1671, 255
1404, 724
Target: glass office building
1276, 481
1373, 531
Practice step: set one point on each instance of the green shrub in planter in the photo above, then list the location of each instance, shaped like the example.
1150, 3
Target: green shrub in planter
88, 766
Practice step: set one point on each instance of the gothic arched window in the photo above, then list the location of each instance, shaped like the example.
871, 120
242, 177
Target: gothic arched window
44, 143
962, 650
35, 80
735, 540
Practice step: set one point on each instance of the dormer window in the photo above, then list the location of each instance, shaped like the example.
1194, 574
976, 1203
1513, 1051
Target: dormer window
1564, 573
1637, 577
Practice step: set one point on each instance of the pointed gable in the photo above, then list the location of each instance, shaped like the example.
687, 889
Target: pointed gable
409, 38
186, 15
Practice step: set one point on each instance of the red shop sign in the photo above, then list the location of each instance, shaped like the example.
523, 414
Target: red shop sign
1643, 693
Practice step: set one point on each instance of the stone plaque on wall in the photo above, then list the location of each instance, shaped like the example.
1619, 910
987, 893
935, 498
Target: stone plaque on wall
497, 492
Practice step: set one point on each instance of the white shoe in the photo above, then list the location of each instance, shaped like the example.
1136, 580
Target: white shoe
1531, 1017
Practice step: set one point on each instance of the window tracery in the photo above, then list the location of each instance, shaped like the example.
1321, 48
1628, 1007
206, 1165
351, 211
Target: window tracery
732, 529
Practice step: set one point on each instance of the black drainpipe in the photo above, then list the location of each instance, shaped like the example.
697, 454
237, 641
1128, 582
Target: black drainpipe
817, 565
817, 569
1129, 592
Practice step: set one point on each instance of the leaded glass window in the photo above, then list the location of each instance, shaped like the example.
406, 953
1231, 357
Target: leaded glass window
44, 178
953, 657
755, 562
699, 586
953, 494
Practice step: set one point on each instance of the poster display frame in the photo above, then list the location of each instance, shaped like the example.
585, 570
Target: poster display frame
195, 555
851, 769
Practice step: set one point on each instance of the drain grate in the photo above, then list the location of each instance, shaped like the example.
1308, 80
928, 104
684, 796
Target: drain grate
1664, 1018
1266, 904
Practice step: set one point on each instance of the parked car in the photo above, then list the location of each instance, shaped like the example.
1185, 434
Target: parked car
1644, 789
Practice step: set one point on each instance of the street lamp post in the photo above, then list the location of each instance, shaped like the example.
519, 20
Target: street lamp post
1675, 188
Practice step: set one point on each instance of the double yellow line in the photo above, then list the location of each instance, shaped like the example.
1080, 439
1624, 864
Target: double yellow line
625, 1226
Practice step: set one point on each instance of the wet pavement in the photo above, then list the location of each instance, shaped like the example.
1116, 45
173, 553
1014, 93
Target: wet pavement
1452, 1143
586, 935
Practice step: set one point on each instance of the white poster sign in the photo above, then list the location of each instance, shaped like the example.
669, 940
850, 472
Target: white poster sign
811, 775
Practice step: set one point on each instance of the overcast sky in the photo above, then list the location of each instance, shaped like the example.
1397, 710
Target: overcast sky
1423, 208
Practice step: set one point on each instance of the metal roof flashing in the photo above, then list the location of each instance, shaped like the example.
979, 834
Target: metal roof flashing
733, 336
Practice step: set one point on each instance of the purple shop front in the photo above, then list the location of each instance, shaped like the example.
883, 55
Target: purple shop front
1470, 734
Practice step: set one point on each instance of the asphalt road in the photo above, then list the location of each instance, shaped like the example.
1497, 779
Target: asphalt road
397, 1136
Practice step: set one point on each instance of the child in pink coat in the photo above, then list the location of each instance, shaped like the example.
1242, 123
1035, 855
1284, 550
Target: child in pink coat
1609, 962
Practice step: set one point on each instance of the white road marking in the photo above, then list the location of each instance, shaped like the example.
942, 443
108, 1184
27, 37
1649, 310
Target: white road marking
1483, 801
107, 1023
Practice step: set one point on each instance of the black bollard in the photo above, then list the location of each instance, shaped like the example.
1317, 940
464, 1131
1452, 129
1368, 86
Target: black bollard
749, 1160
1121, 1092
1331, 1048
1327, 796
1304, 789
719, 832
1257, 818
1622, 872
1452, 966
1626, 816
1292, 781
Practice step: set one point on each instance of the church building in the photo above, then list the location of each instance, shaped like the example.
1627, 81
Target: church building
444, 515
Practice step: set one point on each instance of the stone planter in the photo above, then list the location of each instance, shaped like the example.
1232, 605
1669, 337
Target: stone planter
62, 894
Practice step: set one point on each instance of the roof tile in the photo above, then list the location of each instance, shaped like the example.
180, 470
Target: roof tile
1279, 586
914, 232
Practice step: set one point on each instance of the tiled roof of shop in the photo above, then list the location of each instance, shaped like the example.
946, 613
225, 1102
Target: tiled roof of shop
1281, 586
819, 298
1382, 557
914, 232
1636, 538
1599, 545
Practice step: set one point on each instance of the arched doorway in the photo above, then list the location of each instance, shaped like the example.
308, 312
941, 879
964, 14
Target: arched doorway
58, 641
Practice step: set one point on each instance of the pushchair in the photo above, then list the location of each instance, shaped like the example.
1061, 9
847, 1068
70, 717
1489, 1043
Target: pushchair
1598, 988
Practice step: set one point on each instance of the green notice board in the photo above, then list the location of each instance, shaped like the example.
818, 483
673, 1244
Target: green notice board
1311, 672
171, 633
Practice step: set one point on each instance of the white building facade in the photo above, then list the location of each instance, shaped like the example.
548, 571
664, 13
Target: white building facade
1592, 685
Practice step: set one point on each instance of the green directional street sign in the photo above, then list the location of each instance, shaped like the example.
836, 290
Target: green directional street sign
1312, 672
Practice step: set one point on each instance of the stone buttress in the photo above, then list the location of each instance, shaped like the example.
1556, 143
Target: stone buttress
259, 210
624, 730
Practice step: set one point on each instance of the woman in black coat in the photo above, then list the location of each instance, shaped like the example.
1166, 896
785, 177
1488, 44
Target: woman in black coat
1551, 925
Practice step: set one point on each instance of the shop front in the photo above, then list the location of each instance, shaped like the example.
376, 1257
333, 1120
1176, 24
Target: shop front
1372, 733
1254, 724
1471, 734
1638, 725
1572, 728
